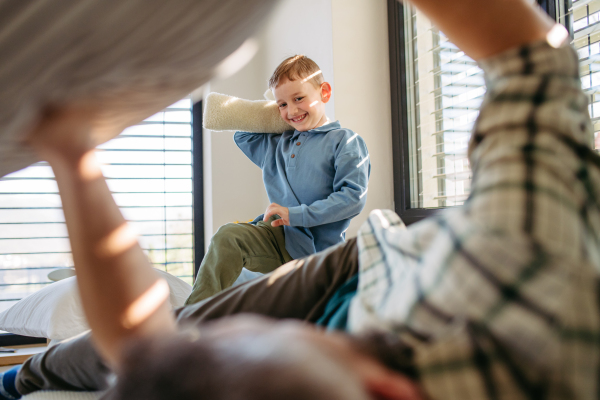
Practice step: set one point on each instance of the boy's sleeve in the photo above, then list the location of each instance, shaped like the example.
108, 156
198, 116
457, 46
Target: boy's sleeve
352, 170
254, 145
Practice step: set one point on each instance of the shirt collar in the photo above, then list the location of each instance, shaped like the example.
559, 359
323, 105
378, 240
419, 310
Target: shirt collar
322, 129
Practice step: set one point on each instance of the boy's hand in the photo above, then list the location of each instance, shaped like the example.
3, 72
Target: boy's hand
282, 211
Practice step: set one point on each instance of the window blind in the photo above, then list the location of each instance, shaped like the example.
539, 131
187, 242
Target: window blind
444, 91
583, 19
148, 169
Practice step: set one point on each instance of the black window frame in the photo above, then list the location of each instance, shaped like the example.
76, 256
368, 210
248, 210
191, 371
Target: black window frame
198, 185
398, 90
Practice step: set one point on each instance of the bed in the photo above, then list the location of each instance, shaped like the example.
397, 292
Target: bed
58, 395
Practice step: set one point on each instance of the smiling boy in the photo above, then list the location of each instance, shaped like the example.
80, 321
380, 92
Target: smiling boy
315, 176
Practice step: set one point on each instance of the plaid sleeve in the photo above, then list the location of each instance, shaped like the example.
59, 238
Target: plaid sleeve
499, 298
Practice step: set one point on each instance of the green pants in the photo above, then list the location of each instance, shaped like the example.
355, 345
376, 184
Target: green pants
258, 248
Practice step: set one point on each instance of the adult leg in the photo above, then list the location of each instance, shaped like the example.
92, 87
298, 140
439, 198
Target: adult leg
258, 248
71, 365
299, 289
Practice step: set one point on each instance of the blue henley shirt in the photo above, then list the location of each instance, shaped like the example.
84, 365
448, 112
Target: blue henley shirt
320, 175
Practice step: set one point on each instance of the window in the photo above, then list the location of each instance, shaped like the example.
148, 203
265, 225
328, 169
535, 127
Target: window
443, 96
583, 20
436, 94
148, 169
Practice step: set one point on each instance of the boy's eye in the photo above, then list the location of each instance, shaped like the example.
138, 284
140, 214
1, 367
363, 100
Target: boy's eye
299, 98
282, 105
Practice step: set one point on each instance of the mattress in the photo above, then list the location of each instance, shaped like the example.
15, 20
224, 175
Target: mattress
59, 395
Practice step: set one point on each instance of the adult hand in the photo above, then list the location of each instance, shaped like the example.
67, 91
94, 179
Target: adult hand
63, 132
70, 131
484, 28
282, 211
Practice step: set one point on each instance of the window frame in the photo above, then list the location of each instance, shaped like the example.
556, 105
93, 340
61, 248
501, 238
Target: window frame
399, 112
197, 185
11, 339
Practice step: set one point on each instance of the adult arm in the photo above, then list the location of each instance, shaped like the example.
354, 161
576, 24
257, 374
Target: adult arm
352, 169
122, 296
490, 294
484, 28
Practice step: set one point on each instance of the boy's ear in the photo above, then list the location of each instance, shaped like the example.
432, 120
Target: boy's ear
325, 92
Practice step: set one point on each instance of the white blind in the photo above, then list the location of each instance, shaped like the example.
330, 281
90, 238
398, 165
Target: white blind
584, 20
149, 171
445, 89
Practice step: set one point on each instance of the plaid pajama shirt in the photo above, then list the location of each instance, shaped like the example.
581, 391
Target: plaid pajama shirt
500, 298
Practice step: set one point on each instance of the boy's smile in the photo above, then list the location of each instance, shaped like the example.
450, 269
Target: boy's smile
301, 104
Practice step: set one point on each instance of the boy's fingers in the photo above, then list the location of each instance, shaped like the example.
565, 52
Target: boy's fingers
271, 210
277, 222
268, 214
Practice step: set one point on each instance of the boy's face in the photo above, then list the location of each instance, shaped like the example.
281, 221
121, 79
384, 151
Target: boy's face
301, 104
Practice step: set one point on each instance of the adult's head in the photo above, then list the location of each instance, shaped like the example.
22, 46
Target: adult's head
255, 358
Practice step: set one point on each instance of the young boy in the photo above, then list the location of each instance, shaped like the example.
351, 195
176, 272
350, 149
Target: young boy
315, 176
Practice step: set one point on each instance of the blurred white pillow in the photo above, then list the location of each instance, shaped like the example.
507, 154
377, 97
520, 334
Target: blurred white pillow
246, 276
55, 311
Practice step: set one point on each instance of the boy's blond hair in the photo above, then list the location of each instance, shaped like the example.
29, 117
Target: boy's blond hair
297, 67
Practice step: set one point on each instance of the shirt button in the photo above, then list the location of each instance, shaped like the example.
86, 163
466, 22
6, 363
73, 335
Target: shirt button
293, 155
298, 144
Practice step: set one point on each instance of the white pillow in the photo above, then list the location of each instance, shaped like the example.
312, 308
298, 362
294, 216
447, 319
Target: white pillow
55, 311
228, 113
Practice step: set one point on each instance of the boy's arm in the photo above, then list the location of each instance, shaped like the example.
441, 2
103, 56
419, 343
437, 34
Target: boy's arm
228, 113
254, 121
352, 169
254, 145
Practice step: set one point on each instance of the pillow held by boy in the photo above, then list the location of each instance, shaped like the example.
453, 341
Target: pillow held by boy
316, 178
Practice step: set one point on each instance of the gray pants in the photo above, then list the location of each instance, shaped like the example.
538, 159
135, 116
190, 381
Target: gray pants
300, 294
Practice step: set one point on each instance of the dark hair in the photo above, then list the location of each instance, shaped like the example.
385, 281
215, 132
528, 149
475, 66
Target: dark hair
184, 369
389, 350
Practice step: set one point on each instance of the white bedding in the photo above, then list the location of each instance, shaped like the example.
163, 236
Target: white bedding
55, 311
56, 395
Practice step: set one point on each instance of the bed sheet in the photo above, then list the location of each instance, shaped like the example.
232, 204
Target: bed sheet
59, 395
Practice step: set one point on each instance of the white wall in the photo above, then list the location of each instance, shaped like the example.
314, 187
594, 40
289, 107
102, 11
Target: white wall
302, 27
348, 39
234, 190
362, 77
